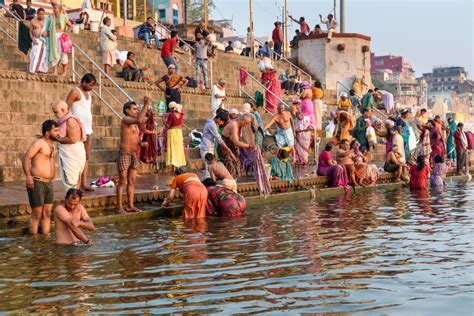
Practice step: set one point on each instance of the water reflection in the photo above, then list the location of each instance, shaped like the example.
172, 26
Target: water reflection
388, 251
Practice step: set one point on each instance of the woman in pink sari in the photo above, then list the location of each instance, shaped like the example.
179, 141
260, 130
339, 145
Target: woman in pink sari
307, 106
436, 140
271, 82
328, 167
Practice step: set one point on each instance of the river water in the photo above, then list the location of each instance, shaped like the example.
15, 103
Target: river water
386, 252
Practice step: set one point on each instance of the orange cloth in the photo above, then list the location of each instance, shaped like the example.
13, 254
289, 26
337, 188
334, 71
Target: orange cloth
178, 181
317, 93
344, 105
194, 199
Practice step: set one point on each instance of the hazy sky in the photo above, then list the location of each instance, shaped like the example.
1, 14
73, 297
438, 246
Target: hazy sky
425, 33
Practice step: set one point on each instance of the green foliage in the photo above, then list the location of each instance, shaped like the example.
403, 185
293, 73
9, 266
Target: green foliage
196, 9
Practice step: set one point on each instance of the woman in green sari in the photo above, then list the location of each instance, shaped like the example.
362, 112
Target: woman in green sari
450, 147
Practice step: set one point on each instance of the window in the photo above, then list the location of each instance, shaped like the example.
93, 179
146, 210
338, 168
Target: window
379, 62
162, 13
175, 14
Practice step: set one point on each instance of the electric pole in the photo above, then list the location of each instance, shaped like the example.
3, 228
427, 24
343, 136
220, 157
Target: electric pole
205, 14
286, 29
251, 30
342, 16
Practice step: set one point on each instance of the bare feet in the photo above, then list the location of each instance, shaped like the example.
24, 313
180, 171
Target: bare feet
133, 209
121, 211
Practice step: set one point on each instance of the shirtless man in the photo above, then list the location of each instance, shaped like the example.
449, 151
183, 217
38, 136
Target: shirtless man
39, 169
70, 218
128, 162
71, 137
218, 172
285, 136
37, 54
79, 102
231, 137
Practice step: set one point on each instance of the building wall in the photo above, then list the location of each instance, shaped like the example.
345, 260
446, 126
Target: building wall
166, 7
324, 61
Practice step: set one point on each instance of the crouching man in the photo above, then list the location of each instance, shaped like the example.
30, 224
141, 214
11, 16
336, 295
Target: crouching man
70, 218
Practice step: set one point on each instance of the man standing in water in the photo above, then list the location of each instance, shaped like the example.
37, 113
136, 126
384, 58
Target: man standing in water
127, 160
38, 166
285, 135
79, 102
70, 218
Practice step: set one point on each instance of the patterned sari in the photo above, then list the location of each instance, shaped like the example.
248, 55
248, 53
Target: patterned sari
224, 202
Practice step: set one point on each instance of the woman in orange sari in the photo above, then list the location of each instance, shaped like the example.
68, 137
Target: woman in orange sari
194, 194
345, 123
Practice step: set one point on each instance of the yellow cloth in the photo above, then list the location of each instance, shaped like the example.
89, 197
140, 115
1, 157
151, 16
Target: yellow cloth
175, 148
344, 105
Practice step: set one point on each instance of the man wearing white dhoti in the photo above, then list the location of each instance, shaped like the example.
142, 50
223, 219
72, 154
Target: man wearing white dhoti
72, 153
37, 54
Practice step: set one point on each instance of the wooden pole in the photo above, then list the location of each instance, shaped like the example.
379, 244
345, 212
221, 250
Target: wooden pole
144, 10
252, 49
205, 14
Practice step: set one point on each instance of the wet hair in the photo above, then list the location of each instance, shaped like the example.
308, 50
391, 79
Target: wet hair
130, 54
222, 115
74, 193
48, 126
353, 142
328, 147
88, 78
344, 141
128, 106
173, 34
40, 10
438, 159
105, 19
208, 182
420, 162
179, 171
209, 157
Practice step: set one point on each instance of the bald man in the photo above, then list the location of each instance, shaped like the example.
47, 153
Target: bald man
72, 153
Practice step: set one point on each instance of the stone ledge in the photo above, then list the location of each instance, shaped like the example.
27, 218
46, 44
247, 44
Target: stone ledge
336, 35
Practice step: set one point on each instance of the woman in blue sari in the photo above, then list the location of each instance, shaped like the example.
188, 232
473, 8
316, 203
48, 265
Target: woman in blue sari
450, 147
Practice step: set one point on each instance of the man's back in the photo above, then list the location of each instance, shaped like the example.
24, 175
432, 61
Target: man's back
219, 172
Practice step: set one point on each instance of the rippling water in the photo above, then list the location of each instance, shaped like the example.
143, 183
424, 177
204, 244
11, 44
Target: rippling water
385, 252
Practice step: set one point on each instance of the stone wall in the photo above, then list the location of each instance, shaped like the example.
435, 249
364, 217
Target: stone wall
343, 59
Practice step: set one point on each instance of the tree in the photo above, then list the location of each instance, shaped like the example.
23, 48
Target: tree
196, 9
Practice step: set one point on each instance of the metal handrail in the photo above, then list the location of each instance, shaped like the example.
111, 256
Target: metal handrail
338, 83
169, 31
264, 88
76, 73
102, 71
283, 58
